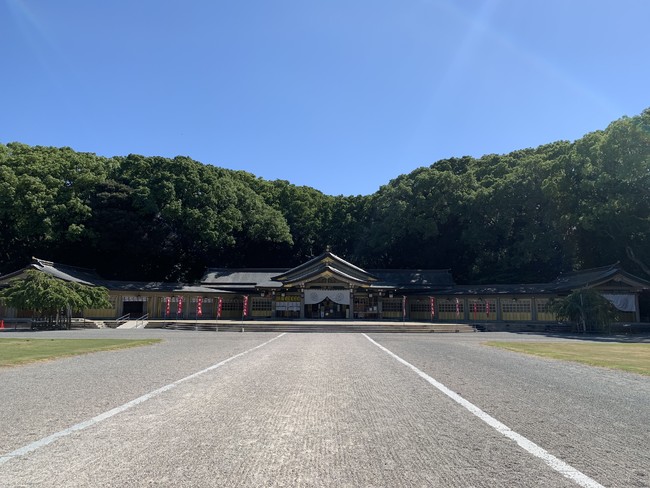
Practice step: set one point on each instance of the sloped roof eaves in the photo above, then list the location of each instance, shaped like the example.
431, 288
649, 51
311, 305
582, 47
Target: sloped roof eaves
7, 278
354, 271
325, 268
594, 277
136, 286
416, 277
301, 267
532, 289
579, 279
420, 291
68, 273
89, 277
234, 289
230, 277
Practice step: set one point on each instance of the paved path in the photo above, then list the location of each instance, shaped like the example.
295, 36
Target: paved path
318, 410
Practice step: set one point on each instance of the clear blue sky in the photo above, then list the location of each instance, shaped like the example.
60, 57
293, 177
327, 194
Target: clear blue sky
339, 95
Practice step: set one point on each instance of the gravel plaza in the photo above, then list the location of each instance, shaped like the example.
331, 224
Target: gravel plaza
287, 409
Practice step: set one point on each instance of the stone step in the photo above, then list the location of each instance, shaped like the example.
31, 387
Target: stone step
306, 328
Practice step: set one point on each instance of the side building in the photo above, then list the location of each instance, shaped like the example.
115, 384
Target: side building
328, 287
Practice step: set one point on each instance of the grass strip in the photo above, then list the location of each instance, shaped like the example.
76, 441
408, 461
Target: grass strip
14, 352
634, 358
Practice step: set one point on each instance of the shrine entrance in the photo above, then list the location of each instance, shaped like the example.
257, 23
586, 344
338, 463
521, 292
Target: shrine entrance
327, 304
327, 309
134, 309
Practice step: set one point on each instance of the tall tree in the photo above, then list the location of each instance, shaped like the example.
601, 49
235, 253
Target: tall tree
53, 299
44, 200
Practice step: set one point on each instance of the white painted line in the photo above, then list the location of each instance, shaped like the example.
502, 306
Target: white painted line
558, 465
110, 413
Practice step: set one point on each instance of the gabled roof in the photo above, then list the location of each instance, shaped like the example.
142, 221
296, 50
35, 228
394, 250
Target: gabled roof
89, 277
597, 276
565, 283
323, 271
329, 265
74, 274
251, 278
326, 263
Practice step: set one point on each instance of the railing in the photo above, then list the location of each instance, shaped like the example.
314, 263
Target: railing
123, 318
141, 321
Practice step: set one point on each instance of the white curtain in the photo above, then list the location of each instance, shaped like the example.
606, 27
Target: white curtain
337, 296
623, 302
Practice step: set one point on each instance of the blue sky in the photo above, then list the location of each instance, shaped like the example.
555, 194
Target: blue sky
342, 96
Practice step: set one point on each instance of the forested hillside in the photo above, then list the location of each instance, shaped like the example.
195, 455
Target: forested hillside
519, 217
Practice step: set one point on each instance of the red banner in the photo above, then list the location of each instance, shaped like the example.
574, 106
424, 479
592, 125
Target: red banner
245, 306
199, 306
168, 306
432, 300
219, 307
179, 310
487, 308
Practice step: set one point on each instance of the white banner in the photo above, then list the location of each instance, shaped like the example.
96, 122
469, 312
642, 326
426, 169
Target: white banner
623, 302
337, 296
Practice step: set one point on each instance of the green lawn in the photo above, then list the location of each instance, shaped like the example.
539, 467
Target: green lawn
627, 357
14, 352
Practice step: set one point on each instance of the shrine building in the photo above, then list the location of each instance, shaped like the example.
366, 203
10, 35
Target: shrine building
328, 287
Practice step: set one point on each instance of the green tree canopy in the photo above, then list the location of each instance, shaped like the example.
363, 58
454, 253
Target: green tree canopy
525, 216
48, 297
586, 308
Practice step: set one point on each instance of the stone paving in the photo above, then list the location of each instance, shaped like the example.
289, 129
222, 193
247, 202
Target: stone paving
318, 410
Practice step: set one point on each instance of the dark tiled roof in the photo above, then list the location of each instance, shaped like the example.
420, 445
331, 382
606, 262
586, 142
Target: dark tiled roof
309, 273
562, 284
154, 286
326, 258
64, 272
415, 281
86, 276
242, 277
414, 278
477, 290
326, 261
592, 277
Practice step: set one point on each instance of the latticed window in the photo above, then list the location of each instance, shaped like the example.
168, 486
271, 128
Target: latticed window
261, 304
360, 302
392, 305
445, 306
516, 306
232, 305
365, 304
420, 307
478, 307
543, 306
